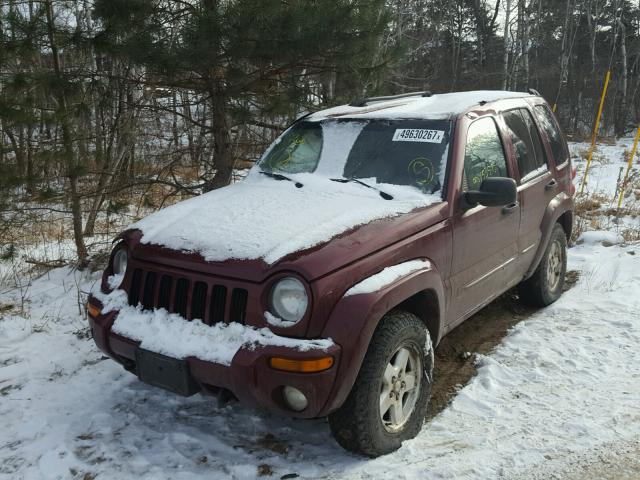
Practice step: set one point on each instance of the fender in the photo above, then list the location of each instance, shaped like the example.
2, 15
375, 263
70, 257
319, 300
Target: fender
558, 206
355, 318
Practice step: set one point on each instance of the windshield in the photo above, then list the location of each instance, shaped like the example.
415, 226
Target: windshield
397, 152
297, 151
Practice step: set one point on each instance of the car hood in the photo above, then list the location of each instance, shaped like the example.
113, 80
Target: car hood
265, 222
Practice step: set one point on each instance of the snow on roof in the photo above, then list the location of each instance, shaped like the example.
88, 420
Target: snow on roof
437, 106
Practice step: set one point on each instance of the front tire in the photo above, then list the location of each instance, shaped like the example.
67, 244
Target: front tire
388, 402
547, 282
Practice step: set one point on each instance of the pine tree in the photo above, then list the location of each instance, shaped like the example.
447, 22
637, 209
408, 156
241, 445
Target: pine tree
40, 92
248, 57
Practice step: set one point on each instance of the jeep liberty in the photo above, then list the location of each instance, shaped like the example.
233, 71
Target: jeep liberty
321, 283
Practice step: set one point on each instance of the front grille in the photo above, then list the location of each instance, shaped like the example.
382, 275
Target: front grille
192, 300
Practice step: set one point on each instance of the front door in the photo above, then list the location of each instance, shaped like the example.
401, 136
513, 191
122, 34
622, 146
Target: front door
485, 239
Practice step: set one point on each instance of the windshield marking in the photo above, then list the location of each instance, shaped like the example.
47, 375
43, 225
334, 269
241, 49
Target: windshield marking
418, 135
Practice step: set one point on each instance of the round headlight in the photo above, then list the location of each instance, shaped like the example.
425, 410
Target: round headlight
120, 262
289, 300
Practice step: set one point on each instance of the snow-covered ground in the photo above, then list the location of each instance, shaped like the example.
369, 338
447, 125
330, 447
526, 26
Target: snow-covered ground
558, 398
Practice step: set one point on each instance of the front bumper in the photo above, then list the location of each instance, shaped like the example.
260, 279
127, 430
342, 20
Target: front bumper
249, 377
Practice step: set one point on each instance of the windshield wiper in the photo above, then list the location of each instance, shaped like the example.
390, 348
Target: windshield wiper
384, 195
279, 176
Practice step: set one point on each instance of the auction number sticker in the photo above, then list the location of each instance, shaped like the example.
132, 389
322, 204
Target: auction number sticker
418, 135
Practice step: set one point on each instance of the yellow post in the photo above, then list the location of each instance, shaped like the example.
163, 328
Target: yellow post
629, 165
595, 131
555, 105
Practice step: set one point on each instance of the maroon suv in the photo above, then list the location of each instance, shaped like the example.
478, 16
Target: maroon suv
321, 283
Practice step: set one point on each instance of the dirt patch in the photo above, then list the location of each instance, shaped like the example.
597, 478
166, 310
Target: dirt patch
6, 307
7, 389
481, 333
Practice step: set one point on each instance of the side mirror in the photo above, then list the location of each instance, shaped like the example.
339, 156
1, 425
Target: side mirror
494, 192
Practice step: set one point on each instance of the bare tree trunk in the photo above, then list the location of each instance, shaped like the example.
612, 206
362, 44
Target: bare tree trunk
621, 110
505, 40
29, 166
524, 41
480, 31
174, 120
576, 114
593, 26
67, 143
99, 132
567, 44
222, 149
17, 149
21, 160
457, 47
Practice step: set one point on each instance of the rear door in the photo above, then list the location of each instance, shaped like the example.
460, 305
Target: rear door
537, 185
484, 238
557, 146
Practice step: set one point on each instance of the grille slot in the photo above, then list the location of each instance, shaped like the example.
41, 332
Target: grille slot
190, 299
198, 300
238, 305
180, 298
218, 300
164, 293
134, 288
148, 297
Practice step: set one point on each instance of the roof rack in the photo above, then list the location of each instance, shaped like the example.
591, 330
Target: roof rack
533, 91
364, 101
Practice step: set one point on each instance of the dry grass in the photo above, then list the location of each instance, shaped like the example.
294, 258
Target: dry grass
587, 205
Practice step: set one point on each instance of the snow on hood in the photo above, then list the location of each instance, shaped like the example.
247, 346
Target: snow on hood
262, 218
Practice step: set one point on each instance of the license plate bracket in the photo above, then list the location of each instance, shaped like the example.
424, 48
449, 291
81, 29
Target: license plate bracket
165, 372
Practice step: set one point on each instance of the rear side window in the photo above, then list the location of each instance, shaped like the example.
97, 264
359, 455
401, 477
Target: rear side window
526, 142
550, 127
483, 155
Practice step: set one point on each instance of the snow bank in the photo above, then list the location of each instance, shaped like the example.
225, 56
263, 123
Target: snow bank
269, 219
607, 168
174, 336
387, 276
562, 383
606, 238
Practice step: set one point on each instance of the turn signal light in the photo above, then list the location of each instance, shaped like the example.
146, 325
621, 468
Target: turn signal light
301, 366
93, 311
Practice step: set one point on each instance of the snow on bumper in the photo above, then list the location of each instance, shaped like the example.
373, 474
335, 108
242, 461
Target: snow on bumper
174, 336
234, 356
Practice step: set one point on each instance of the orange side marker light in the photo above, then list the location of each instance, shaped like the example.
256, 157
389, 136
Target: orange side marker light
92, 310
301, 366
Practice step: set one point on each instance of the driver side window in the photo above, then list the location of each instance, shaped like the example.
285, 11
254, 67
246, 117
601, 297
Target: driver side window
484, 155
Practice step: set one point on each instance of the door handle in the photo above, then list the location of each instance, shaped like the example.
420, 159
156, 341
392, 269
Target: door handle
510, 208
551, 185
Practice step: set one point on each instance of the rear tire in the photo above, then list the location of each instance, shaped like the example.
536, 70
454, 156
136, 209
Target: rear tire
388, 402
546, 284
